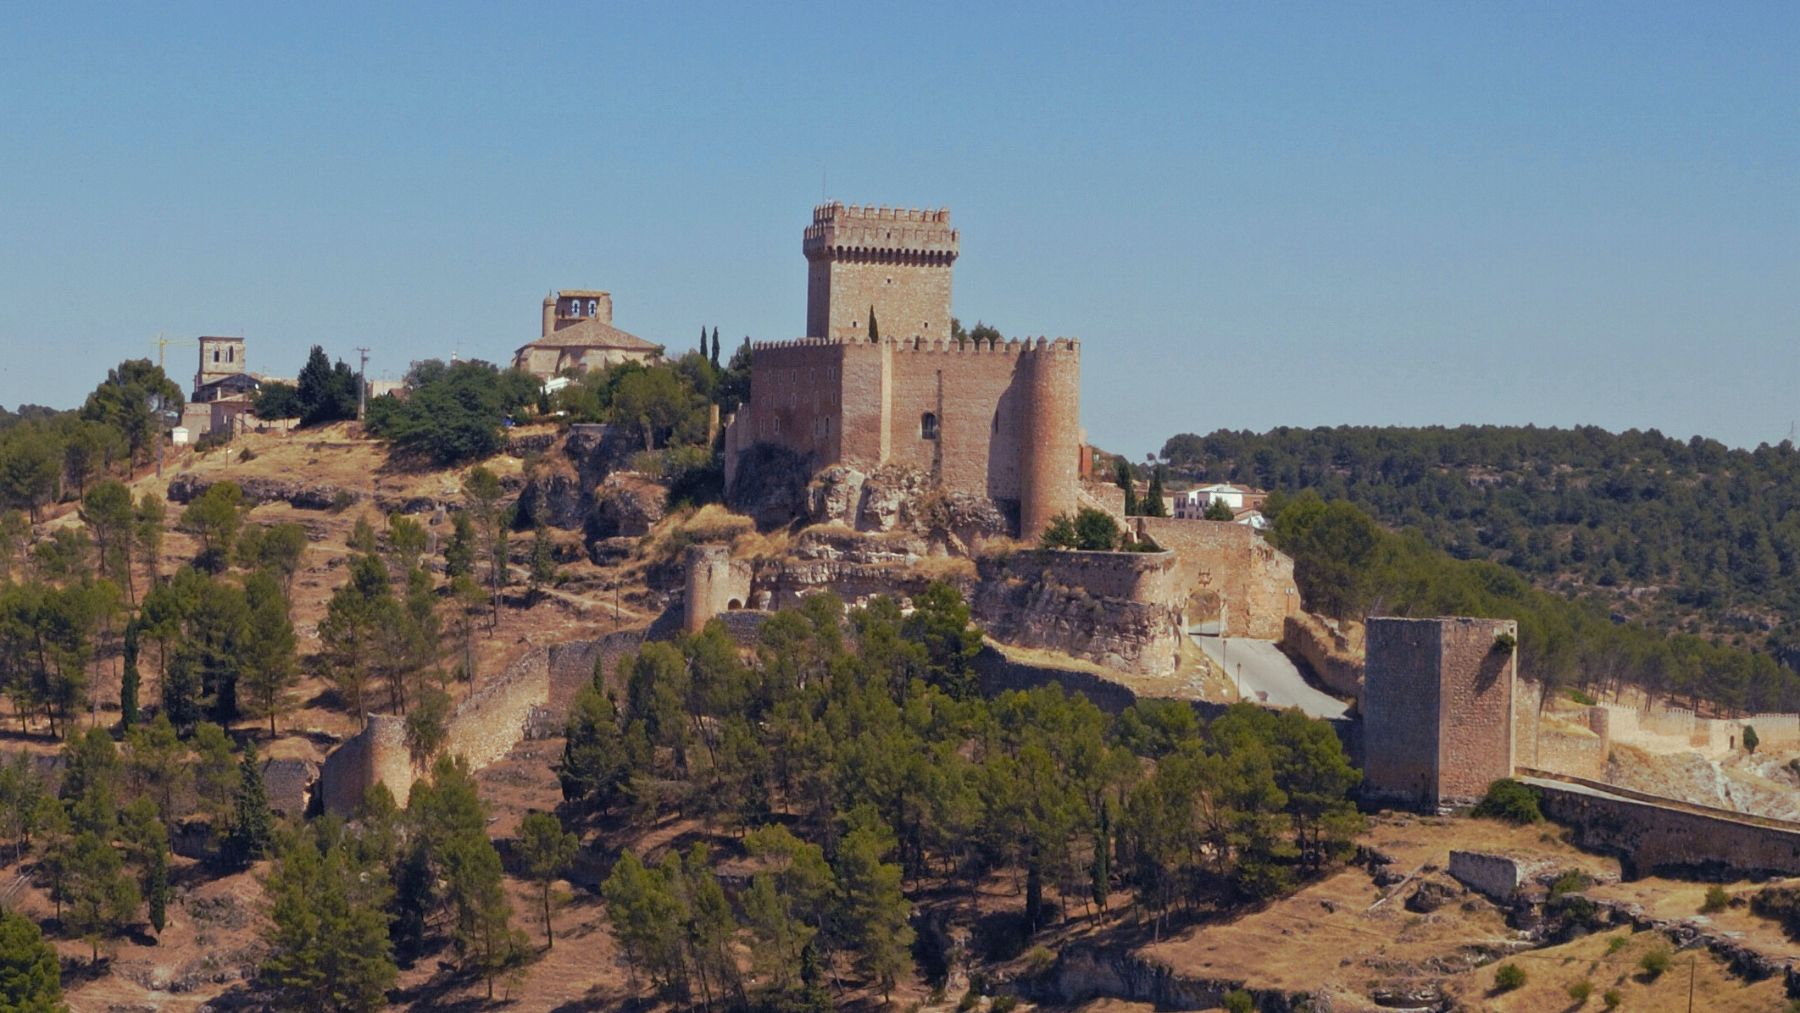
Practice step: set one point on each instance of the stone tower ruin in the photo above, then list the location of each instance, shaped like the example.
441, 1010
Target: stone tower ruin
894, 260
1437, 708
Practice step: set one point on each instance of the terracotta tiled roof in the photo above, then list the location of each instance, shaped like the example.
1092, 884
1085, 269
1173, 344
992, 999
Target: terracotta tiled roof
591, 333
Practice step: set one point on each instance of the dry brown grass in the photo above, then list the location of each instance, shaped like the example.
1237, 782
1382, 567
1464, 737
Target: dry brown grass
1549, 973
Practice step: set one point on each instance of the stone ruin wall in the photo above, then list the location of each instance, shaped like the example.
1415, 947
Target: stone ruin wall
375, 755
1496, 877
1677, 729
1222, 558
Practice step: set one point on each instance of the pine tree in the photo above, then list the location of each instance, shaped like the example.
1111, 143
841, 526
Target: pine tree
251, 821
459, 553
129, 682
328, 948
546, 850
267, 646
101, 899
875, 910
30, 975
543, 561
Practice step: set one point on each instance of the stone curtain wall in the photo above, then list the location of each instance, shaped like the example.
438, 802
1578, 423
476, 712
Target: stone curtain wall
1007, 414
1677, 729
1650, 834
1223, 558
491, 720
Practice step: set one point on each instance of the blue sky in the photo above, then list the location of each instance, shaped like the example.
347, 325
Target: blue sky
1253, 215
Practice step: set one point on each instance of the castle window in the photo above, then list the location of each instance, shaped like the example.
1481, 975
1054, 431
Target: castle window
215, 355
230, 354
928, 426
575, 307
593, 308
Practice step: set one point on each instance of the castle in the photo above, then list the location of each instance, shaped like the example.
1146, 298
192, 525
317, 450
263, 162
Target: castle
578, 333
997, 419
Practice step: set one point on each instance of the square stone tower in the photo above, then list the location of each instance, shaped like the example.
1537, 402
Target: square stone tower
894, 260
1437, 708
219, 358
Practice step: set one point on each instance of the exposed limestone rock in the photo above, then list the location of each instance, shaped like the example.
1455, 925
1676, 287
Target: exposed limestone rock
625, 505
555, 498
257, 491
1019, 607
902, 499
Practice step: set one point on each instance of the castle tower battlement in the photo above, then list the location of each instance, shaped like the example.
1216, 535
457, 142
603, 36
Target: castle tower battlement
892, 262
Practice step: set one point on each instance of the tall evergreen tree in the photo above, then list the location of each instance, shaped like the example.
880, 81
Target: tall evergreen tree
1153, 500
715, 348
546, 850
129, 681
251, 821
1122, 475
874, 329
30, 975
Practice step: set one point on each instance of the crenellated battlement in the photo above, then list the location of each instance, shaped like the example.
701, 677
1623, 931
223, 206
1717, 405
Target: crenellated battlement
935, 346
858, 233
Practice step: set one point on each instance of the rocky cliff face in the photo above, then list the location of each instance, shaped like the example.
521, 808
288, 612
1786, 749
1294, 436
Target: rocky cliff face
1030, 609
902, 499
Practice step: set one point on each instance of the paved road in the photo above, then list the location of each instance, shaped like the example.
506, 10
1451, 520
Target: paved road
1268, 676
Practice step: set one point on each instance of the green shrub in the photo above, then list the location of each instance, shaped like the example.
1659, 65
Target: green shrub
1656, 961
1039, 959
1581, 990
1510, 801
1779, 903
1615, 944
1571, 881
1579, 697
1613, 998
1505, 643
1509, 977
1750, 739
1716, 900
1239, 1001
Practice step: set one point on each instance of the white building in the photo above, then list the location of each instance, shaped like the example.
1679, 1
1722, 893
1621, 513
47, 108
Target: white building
1192, 504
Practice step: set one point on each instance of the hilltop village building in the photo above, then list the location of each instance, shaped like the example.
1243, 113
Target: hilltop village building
999, 419
578, 333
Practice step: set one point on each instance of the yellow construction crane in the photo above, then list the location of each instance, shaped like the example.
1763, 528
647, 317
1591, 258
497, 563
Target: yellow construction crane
162, 344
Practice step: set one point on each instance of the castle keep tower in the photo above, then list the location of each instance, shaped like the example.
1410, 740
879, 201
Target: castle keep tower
219, 358
1437, 708
895, 260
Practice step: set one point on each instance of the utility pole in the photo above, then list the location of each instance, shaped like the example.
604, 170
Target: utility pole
362, 384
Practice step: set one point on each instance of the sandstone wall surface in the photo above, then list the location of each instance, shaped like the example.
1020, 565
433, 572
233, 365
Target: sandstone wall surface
1475, 748
1253, 580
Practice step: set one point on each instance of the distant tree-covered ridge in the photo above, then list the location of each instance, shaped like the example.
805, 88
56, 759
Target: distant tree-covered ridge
1690, 535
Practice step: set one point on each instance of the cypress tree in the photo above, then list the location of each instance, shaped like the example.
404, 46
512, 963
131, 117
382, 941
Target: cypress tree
702, 339
874, 329
1154, 507
156, 888
715, 348
1123, 477
251, 829
128, 683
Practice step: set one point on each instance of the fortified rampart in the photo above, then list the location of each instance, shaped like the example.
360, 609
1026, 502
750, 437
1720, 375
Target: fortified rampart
1650, 834
993, 419
1437, 708
375, 755
1246, 579
715, 584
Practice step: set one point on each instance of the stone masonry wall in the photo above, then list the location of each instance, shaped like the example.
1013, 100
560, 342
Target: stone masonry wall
375, 755
489, 721
1255, 580
1496, 877
1437, 708
1400, 710
894, 260
1475, 748
1113, 608
1650, 834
